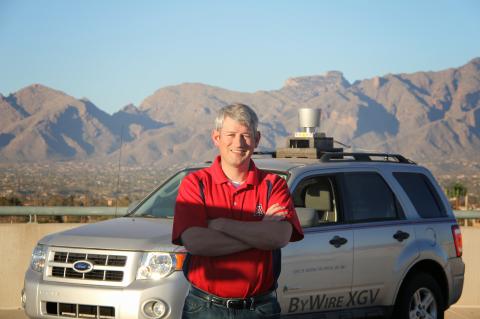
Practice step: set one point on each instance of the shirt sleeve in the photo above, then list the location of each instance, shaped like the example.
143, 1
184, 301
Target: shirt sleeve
189, 208
281, 195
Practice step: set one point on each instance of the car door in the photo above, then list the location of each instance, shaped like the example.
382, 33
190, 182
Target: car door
317, 271
384, 241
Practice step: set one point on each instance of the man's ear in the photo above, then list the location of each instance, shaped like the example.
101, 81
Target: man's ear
257, 139
216, 137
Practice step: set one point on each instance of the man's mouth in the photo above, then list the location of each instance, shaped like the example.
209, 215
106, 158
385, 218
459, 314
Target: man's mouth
238, 151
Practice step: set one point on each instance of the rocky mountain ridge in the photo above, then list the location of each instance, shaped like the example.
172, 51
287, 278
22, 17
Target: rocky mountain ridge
431, 117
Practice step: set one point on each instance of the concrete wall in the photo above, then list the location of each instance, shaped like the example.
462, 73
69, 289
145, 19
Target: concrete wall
18, 240
471, 258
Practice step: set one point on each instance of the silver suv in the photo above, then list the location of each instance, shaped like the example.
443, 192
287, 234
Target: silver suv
380, 240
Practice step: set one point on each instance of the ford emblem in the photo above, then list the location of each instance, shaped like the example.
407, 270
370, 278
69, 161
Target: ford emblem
82, 266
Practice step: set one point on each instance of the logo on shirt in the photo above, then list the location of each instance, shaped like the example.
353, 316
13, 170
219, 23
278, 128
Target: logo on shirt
259, 211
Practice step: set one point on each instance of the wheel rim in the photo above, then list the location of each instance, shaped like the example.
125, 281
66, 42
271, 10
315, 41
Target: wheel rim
423, 305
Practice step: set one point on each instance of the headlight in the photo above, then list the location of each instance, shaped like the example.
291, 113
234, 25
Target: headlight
38, 258
156, 265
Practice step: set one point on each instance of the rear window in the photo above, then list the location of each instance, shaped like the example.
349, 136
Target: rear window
368, 198
422, 194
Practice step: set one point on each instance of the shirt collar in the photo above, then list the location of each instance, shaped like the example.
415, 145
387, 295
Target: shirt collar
219, 176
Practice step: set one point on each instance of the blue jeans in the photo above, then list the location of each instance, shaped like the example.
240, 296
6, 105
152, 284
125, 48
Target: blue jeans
198, 308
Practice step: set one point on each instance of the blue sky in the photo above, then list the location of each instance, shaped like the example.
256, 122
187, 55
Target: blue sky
120, 52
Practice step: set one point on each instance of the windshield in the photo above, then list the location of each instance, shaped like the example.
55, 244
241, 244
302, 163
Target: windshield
161, 203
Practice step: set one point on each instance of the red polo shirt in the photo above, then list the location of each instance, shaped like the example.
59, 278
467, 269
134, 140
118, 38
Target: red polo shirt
246, 273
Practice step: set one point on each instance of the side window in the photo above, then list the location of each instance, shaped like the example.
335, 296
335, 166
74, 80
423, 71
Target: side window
315, 201
367, 197
422, 194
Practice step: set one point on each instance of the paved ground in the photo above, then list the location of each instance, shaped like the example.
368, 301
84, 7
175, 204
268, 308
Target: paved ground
459, 313
452, 313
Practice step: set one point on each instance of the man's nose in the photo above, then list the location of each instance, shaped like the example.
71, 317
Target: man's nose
240, 140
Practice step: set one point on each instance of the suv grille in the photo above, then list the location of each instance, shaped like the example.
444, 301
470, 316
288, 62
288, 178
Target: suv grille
105, 267
79, 311
96, 259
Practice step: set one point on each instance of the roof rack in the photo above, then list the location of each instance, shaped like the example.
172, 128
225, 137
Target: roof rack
364, 157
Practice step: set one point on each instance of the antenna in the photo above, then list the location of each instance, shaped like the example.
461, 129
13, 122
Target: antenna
118, 172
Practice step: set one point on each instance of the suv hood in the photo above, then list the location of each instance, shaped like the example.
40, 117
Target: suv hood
126, 233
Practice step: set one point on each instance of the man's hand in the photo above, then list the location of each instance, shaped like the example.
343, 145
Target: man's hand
275, 213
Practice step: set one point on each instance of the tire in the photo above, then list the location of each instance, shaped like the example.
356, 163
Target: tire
420, 298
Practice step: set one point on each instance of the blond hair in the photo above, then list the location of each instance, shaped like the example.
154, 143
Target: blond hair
241, 113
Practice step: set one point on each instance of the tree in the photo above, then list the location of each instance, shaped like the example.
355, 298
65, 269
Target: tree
10, 201
456, 190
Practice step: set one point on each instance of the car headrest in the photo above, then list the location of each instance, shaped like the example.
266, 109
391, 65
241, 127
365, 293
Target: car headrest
317, 196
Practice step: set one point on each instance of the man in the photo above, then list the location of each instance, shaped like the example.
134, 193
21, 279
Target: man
233, 219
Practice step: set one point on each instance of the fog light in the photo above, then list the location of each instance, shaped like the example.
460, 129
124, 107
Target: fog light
155, 309
23, 299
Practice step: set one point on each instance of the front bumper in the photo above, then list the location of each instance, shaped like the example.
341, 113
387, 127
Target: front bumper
127, 302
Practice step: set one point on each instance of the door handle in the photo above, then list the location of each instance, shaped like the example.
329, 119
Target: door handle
338, 241
401, 235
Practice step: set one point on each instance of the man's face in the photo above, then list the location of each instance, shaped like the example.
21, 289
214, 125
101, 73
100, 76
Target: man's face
235, 142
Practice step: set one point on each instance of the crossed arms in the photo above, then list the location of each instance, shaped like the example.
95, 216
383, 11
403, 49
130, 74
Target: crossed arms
226, 236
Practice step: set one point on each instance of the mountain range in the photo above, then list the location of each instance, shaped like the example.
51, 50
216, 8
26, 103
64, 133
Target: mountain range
431, 117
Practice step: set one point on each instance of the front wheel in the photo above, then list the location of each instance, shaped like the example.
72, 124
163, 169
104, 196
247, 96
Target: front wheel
420, 298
